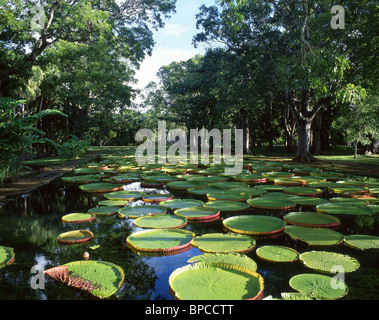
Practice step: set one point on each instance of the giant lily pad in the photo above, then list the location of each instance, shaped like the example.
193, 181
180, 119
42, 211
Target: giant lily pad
268, 203
82, 179
343, 208
203, 190
307, 201
100, 187
254, 224
184, 185
100, 278
233, 258
229, 196
124, 195
104, 210
312, 219
229, 184
319, 286
303, 191
216, 281
161, 221
156, 198
275, 253
227, 206
314, 236
181, 203
224, 243
6, 256
251, 178
78, 217
75, 236
326, 261
160, 240
139, 211
198, 214
362, 242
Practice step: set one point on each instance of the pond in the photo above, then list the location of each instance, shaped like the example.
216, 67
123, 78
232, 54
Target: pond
31, 223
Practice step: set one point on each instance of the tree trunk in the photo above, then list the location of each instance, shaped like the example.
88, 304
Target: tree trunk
304, 132
316, 142
356, 148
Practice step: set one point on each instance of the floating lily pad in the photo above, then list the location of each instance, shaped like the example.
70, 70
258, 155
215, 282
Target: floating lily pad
144, 210
82, 179
343, 208
308, 201
312, 219
275, 253
289, 182
251, 178
156, 198
86, 171
160, 240
232, 258
203, 190
181, 203
198, 213
161, 221
325, 261
355, 201
314, 236
184, 185
362, 242
224, 243
254, 225
104, 211
113, 203
319, 286
75, 236
229, 184
6, 256
303, 191
100, 278
78, 217
100, 187
216, 281
227, 206
124, 195
268, 203
350, 189
229, 195
159, 178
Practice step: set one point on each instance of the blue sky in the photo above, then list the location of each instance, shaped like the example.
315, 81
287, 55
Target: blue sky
174, 41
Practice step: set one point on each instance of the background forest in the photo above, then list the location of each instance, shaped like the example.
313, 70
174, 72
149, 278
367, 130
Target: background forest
277, 69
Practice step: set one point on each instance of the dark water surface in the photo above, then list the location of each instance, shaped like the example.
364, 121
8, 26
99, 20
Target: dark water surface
31, 223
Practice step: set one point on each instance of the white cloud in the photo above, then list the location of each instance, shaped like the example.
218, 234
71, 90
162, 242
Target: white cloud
161, 56
175, 30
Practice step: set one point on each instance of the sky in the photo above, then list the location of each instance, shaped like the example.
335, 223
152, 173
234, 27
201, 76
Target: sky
174, 41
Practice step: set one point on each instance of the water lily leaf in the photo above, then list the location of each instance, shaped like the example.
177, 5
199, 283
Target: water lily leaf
100, 187
229, 195
113, 203
75, 236
124, 195
181, 203
216, 281
82, 179
102, 279
314, 236
303, 191
362, 242
161, 221
7, 256
269, 203
203, 190
104, 211
156, 198
343, 208
224, 243
227, 206
184, 185
160, 240
198, 214
139, 211
319, 286
78, 217
232, 258
312, 219
308, 201
274, 253
254, 224
326, 261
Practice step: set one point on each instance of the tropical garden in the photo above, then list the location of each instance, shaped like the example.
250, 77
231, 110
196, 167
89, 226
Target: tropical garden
298, 79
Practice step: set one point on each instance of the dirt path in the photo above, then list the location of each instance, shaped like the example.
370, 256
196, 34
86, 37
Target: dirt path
31, 181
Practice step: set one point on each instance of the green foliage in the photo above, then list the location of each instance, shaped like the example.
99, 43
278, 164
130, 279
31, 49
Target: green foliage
73, 148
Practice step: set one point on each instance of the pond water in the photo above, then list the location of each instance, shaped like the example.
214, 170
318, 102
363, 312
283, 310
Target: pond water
31, 223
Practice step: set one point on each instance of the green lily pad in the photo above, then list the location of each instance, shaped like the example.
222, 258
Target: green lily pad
139, 211
82, 179
124, 195
160, 240
314, 236
6, 256
325, 261
78, 217
75, 236
156, 198
227, 206
86, 171
224, 243
343, 208
251, 178
113, 203
289, 182
268, 203
198, 213
203, 190
275, 253
254, 224
181, 203
159, 178
232, 258
355, 201
303, 191
104, 211
312, 219
229, 184
161, 221
102, 279
229, 195
100, 187
216, 281
319, 286
307, 201
362, 242
184, 185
